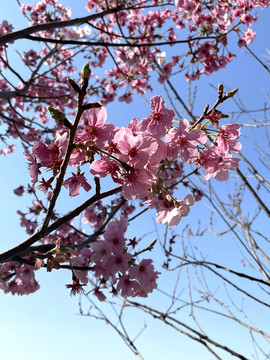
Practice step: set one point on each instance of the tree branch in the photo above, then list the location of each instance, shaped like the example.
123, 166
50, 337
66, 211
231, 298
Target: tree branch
21, 248
21, 34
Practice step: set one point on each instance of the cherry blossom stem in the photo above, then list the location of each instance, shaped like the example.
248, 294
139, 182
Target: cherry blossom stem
21, 34
256, 57
258, 199
106, 44
174, 323
22, 248
176, 94
64, 165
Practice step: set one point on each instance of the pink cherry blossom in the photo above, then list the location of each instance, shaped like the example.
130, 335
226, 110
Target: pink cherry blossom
105, 166
137, 183
114, 235
101, 252
99, 294
77, 157
127, 98
24, 281
81, 258
180, 210
181, 142
146, 157
227, 136
5, 28
19, 191
18, 287
171, 212
33, 166
8, 149
51, 155
95, 131
160, 119
134, 150
217, 163
145, 274
75, 182
94, 215
248, 37
118, 262
127, 287
30, 58
42, 152
101, 271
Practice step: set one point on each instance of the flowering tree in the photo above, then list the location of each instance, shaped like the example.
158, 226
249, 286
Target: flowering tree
60, 119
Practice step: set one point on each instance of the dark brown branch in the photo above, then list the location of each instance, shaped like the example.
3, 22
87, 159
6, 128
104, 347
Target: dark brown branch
254, 171
203, 339
256, 57
106, 44
253, 192
21, 34
62, 266
19, 92
23, 247
204, 263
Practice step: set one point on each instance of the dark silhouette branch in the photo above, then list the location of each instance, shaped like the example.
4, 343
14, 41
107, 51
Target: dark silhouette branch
22, 248
22, 34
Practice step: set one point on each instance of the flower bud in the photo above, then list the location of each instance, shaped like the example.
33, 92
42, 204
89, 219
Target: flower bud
56, 114
59, 116
206, 109
86, 72
38, 264
73, 85
220, 90
231, 93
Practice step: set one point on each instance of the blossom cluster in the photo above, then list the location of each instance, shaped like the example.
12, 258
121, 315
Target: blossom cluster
139, 157
148, 26
108, 258
113, 264
146, 159
209, 25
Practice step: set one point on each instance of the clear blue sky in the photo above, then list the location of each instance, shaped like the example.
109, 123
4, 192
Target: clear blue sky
47, 323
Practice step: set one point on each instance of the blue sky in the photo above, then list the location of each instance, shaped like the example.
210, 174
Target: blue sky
48, 323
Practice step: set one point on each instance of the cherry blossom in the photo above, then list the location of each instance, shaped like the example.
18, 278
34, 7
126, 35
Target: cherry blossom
127, 287
217, 163
248, 37
118, 262
75, 182
76, 287
19, 191
160, 119
227, 136
182, 142
114, 235
145, 158
145, 274
135, 151
95, 131
180, 209
137, 183
101, 252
